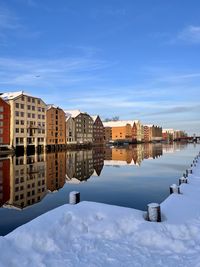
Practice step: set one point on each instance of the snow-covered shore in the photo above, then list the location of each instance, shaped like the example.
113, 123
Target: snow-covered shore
92, 234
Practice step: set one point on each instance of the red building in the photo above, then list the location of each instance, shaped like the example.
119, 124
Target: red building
98, 130
4, 123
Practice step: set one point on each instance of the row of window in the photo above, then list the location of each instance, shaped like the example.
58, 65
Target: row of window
29, 107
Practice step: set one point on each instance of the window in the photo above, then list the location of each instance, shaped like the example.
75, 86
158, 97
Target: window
17, 122
1, 131
17, 105
22, 122
29, 107
1, 123
17, 130
33, 107
22, 130
33, 116
29, 99
1, 109
33, 100
22, 105
38, 101
1, 116
22, 114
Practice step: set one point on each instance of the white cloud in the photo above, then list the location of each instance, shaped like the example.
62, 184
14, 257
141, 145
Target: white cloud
190, 35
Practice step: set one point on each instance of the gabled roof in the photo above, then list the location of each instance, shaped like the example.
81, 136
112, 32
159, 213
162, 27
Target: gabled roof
13, 95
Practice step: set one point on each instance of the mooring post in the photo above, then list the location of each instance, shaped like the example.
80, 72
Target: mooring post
183, 180
153, 212
174, 189
74, 197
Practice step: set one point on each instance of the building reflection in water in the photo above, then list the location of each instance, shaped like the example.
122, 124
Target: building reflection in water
25, 180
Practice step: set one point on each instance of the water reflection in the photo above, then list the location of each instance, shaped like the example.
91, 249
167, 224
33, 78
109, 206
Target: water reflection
25, 180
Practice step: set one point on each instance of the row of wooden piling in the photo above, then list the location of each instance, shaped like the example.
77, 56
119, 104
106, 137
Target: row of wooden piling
153, 209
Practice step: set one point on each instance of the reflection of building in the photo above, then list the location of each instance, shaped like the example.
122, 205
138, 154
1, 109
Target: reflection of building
4, 180
132, 155
55, 170
122, 154
27, 180
70, 131
56, 130
27, 123
83, 126
98, 160
79, 165
98, 130
4, 123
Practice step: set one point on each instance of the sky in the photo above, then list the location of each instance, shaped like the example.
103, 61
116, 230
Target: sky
136, 59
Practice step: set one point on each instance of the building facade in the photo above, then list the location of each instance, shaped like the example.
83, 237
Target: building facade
4, 123
28, 122
83, 126
98, 130
55, 126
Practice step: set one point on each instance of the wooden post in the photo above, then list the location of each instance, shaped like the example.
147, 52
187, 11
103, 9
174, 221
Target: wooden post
174, 189
153, 212
183, 180
74, 197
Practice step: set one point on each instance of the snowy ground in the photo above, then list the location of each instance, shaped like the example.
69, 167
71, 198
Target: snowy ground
92, 234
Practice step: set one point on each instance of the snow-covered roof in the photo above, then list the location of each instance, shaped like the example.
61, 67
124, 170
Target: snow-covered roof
72, 113
13, 95
52, 106
119, 123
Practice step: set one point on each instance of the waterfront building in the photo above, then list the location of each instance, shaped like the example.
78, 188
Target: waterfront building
121, 130
4, 124
98, 130
28, 122
55, 170
128, 131
70, 130
56, 128
152, 133
168, 135
107, 133
83, 125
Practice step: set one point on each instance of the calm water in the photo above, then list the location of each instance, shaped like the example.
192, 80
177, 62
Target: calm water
129, 176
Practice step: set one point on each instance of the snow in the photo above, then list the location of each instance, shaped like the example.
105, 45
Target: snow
72, 113
93, 235
13, 95
94, 117
119, 123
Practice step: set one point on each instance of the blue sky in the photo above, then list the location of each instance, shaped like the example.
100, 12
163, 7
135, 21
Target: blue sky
132, 58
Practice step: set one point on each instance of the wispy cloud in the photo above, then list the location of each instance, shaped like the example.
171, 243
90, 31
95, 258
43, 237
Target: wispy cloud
49, 73
8, 20
189, 35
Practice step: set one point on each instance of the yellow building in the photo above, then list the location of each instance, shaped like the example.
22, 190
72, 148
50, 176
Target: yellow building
28, 119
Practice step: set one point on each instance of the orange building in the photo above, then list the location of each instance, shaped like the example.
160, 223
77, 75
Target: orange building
122, 133
4, 123
55, 170
56, 129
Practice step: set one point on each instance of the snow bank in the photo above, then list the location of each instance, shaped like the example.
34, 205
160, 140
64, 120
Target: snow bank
92, 234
